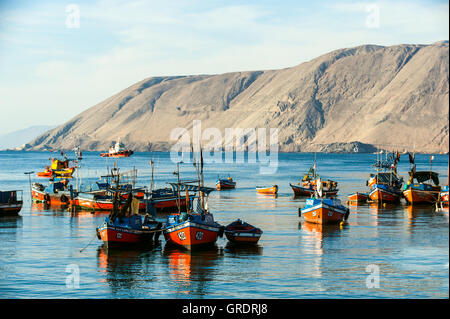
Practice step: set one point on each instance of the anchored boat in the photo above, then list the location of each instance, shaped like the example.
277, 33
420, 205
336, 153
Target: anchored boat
270, 190
242, 232
358, 197
322, 210
227, 183
10, 202
124, 226
56, 193
385, 186
308, 185
58, 168
419, 188
192, 230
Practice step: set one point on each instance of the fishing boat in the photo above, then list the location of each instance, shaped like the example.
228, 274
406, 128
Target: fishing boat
308, 185
307, 188
358, 197
56, 193
58, 168
270, 190
242, 232
100, 201
10, 202
322, 210
124, 226
227, 183
165, 200
117, 151
385, 185
419, 188
193, 229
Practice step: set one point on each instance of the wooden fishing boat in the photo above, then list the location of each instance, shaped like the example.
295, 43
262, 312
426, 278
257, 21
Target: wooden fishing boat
419, 190
308, 185
321, 210
10, 202
225, 184
358, 197
242, 232
324, 211
100, 202
271, 190
165, 200
58, 169
124, 226
56, 193
385, 187
117, 151
310, 189
192, 230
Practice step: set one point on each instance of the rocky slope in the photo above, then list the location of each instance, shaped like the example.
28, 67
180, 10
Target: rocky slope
351, 100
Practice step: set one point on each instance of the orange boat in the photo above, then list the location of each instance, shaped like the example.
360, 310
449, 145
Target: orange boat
358, 197
422, 192
324, 211
272, 190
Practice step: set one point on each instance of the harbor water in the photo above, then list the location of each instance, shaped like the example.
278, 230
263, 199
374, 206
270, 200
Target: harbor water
383, 251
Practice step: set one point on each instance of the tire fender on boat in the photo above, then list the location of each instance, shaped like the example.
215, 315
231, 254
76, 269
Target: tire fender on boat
346, 214
64, 199
47, 198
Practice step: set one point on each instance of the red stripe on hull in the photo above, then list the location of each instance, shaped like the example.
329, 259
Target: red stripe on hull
358, 197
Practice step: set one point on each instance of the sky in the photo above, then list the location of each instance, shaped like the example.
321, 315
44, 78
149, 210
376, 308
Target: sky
59, 58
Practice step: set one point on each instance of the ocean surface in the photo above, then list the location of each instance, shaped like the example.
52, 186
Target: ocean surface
394, 251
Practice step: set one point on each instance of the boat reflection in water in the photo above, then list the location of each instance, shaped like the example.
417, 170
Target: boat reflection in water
191, 270
125, 268
243, 250
39, 207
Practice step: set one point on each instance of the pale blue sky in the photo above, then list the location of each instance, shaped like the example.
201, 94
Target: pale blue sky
50, 73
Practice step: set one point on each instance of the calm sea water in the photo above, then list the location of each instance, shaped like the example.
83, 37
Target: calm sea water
406, 246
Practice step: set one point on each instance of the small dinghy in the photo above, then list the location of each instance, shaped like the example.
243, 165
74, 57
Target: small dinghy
271, 190
242, 232
358, 197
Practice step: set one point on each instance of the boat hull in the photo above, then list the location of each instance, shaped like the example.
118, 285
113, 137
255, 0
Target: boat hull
191, 235
324, 214
358, 197
126, 153
303, 191
49, 198
267, 190
113, 236
10, 209
170, 204
382, 195
99, 205
416, 196
242, 237
225, 184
